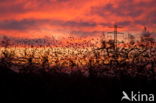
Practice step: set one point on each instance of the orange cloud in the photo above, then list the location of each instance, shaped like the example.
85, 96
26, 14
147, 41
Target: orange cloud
28, 18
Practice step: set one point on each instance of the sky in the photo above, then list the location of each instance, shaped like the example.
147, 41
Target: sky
40, 18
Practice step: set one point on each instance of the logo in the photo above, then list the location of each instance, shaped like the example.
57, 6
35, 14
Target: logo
140, 97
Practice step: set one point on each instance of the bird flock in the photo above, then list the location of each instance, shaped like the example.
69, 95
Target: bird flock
127, 60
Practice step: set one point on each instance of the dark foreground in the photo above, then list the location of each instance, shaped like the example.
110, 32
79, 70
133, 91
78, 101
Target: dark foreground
65, 88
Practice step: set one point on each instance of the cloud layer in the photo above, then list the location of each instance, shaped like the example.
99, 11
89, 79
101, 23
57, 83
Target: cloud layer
30, 17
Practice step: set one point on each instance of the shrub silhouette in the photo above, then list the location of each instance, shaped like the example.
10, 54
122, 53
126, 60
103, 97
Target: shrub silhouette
136, 60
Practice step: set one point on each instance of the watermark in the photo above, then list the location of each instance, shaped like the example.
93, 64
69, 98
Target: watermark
137, 96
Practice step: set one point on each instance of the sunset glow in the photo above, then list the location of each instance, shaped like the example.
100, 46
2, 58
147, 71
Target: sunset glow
40, 18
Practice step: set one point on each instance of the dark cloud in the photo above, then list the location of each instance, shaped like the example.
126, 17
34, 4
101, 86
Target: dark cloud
124, 8
16, 6
128, 9
105, 24
63, 0
13, 7
151, 17
124, 23
140, 22
5, 1
32, 23
148, 5
17, 25
153, 21
79, 24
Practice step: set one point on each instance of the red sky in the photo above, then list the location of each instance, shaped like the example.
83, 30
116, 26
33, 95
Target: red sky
37, 18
